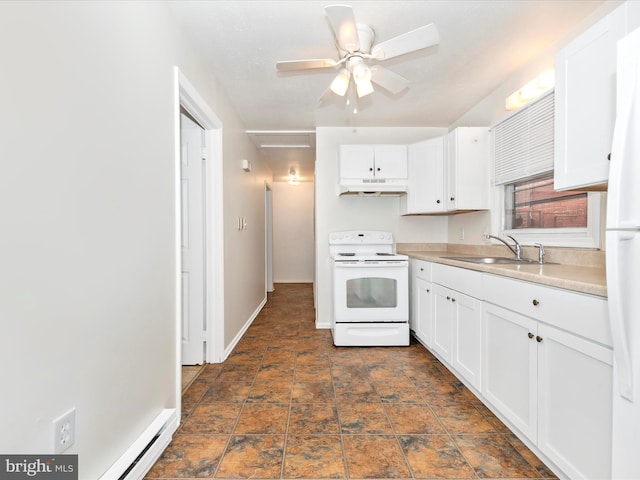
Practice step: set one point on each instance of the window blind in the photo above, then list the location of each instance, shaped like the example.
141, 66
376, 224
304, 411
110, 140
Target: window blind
523, 143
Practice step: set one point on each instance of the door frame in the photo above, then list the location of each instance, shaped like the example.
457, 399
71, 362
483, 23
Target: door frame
268, 229
187, 96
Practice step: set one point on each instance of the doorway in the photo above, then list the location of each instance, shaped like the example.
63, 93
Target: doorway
268, 215
193, 232
189, 103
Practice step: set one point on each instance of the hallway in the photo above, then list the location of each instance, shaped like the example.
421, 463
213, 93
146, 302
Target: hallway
288, 404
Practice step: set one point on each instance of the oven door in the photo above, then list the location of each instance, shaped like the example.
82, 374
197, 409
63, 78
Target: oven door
371, 291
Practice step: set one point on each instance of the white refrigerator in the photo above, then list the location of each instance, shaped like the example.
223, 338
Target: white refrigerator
623, 262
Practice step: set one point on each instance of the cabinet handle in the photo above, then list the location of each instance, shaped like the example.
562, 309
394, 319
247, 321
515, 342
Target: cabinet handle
371, 169
437, 201
538, 339
428, 291
530, 335
452, 198
609, 157
448, 298
453, 299
421, 269
378, 169
535, 302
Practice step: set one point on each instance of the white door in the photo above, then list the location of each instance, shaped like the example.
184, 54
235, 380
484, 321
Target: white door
268, 202
193, 257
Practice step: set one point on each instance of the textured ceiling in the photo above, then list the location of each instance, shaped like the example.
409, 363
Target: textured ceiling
481, 44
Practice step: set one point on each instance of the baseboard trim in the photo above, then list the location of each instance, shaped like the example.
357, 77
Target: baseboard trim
138, 459
243, 330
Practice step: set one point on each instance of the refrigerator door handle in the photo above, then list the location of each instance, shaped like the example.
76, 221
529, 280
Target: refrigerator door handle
619, 331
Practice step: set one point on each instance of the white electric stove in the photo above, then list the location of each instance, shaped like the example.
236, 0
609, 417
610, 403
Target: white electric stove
370, 290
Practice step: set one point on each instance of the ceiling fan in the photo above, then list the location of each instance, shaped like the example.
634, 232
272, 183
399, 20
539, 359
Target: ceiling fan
354, 42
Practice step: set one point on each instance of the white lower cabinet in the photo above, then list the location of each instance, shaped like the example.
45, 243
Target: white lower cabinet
422, 317
509, 367
574, 403
539, 356
467, 333
442, 322
457, 321
553, 385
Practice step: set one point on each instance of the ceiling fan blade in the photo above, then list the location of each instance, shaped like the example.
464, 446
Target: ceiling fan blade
417, 39
290, 65
343, 24
388, 80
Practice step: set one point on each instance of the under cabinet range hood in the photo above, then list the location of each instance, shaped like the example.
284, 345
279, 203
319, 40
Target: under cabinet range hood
373, 170
372, 187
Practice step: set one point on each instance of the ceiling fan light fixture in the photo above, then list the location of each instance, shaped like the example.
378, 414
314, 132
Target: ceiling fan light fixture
364, 88
340, 84
360, 71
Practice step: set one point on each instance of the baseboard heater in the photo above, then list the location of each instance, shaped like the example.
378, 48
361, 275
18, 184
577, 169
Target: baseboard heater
143, 453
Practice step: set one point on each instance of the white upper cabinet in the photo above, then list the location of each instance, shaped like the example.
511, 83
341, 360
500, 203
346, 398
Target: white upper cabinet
449, 174
373, 161
585, 102
467, 173
425, 188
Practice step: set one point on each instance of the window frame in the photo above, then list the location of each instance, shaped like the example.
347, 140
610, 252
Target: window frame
589, 237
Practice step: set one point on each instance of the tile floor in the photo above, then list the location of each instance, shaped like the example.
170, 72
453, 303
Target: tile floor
288, 404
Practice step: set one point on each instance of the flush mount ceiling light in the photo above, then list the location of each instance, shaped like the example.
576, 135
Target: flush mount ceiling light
293, 177
532, 90
354, 43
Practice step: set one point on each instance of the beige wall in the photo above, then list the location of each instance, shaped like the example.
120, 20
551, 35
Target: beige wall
87, 204
293, 241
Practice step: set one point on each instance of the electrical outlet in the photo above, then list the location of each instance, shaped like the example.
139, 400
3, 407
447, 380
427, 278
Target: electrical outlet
64, 431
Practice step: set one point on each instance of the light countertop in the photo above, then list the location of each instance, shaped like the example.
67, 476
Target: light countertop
583, 279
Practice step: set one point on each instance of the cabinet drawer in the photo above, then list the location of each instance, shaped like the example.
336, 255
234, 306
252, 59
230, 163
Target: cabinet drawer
466, 281
584, 315
421, 269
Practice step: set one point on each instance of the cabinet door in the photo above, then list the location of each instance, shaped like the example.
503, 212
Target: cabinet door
356, 161
467, 342
509, 375
425, 182
423, 310
450, 173
574, 403
585, 104
442, 322
390, 161
467, 170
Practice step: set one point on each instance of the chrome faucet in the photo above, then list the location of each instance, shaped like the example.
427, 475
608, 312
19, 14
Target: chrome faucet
541, 252
516, 249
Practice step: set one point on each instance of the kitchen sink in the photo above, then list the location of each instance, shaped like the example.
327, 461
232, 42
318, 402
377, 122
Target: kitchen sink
493, 260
